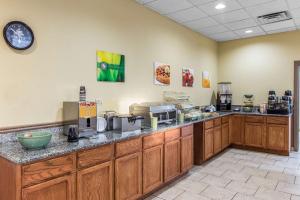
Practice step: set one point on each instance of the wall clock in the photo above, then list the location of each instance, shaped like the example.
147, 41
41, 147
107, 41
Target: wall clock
18, 35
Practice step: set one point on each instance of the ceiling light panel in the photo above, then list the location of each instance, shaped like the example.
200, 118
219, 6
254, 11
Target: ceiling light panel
210, 8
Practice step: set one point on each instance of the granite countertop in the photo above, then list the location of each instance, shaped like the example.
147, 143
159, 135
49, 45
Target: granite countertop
11, 149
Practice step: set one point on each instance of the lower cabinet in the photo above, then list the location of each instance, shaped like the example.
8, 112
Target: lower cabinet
255, 134
172, 160
62, 188
187, 154
237, 129
208, 143
217, 139
225, 136
95, 183
128, 177
152, 168
277, 137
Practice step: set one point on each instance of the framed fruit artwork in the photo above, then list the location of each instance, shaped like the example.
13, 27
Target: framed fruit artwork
110, 67
187, 77
162, 74
205, 79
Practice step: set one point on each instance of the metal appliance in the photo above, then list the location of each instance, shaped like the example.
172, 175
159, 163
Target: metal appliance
280, 105
109, 117
126, 123
224, 96
165, 112
248, 103
81, 114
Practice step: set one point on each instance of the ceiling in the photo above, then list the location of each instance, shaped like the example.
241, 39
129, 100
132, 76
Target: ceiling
231, 22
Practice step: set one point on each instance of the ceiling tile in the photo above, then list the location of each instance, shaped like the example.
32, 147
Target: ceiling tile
213, 29
231, 16
169, 6
282, 30
293, 4
296, 13
201, 23
199, 2
256, 31
144, 1
187, 15
267, 8
247, 3
225, 36
211, 10
241, 24
278, 25
297, 21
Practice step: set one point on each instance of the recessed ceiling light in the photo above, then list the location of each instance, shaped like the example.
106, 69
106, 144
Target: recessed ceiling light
248, 31
220, 6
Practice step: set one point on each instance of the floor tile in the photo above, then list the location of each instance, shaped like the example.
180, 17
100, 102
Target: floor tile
281, 177
197, 176
263, 182
190, 196
239, 196
289, 164
268, 194
213, 171
243, 188
278, 157
169, 193
254, 171
215, 181
249, 163
266, 161
297, 181
273, 168
217, 193
191, 186
294, 197
244, 156
288, 188
295, 172
153, 198
231, 166
242, 177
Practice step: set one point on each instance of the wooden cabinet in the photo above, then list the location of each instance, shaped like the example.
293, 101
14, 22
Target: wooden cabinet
237, 129
187, 155
171, 160
95, 183
217, 139
152, 168
225, 135
255, 134
57, 189
277, 137
128, 177
208, 143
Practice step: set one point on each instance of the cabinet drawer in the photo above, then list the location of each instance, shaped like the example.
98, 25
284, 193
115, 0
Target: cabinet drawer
209, 124
129, 146
186, 131
172, 135
278, 120
37, 172
153, 140
255, 119
217, 122
95, 156
225, 119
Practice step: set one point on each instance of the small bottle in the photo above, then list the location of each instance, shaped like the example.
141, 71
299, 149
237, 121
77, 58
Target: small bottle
82, 93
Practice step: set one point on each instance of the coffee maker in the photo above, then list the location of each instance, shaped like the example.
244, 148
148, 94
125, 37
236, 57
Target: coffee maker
280, 105
224, 96
83, 115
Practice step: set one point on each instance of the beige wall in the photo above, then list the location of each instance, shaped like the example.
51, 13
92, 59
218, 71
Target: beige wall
259, 64
34, 83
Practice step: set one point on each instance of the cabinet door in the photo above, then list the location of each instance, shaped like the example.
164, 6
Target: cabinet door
217, 139
96, 183
60, 188
255, 134
237, 129
187, 154
128, 177
172, 160
152, 168
277, 137
225, 135
208, 143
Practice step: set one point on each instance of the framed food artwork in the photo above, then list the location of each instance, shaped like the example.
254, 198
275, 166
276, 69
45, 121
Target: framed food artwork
187, 77
162, 74
110, 67
205, 79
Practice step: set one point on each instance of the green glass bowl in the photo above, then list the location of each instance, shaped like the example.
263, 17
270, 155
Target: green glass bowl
34, 140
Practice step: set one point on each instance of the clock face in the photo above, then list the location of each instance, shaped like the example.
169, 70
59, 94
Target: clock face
18, 35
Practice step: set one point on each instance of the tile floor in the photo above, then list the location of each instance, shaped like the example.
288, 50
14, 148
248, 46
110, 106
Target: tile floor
239, 175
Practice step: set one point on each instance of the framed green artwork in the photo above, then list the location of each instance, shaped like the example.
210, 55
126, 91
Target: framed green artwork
110, 67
